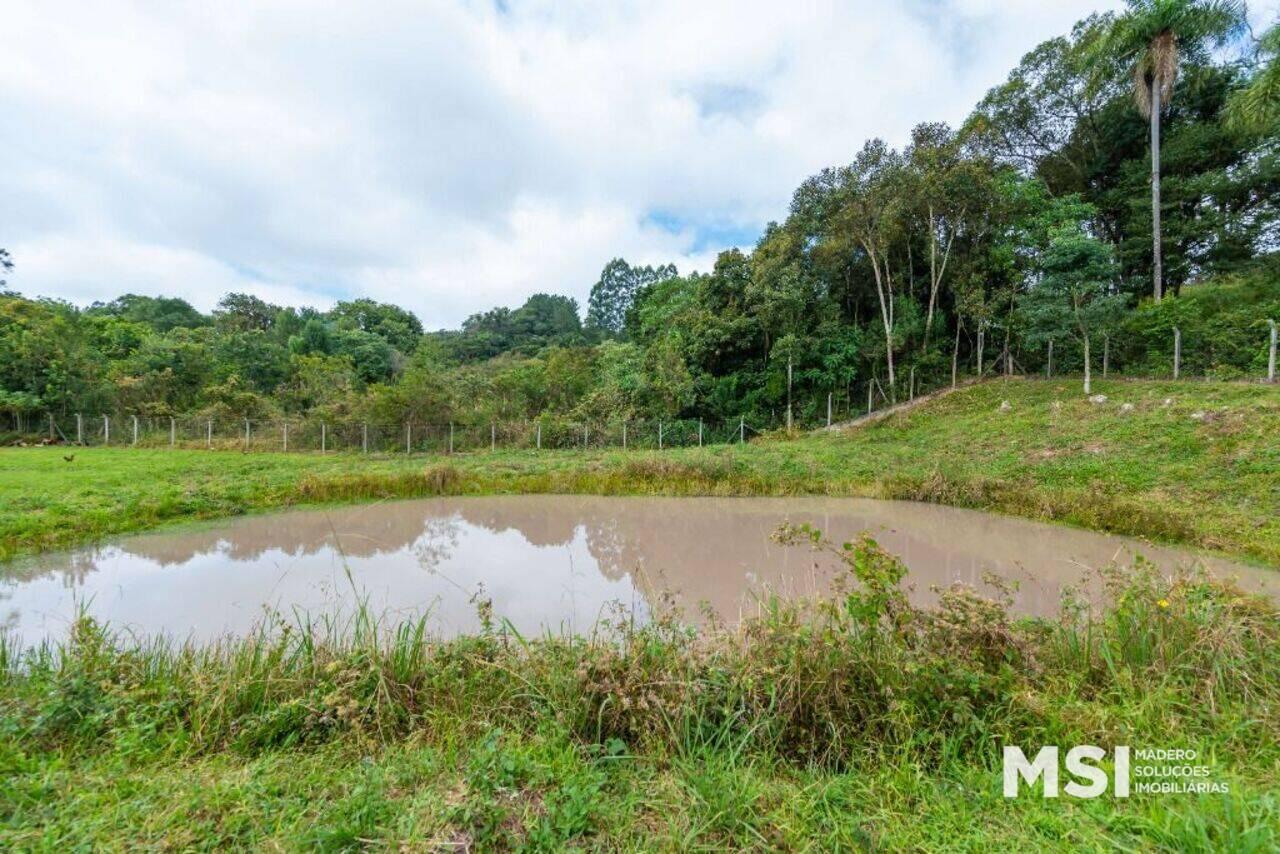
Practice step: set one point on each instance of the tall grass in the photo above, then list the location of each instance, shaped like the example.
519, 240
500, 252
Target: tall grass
862, 681
820, 683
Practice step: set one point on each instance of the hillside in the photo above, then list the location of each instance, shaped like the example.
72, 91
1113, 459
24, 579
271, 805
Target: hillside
1189, 462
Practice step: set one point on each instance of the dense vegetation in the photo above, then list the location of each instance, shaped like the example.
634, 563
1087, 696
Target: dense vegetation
967, 251
857, 723
1184, 463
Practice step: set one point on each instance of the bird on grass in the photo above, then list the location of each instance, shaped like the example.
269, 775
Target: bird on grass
68, 457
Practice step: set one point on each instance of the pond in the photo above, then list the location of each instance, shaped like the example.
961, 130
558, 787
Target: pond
547, 562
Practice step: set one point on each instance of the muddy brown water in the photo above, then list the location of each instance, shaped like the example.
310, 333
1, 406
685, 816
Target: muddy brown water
547, 563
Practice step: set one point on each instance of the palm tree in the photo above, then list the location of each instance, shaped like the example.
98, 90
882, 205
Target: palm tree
1256, 108
1152, 35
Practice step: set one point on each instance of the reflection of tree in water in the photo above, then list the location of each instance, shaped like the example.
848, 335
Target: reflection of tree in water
437, 541
704, 549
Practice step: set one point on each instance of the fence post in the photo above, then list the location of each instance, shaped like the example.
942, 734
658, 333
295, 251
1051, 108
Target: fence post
1177, 351
286, 437
173, 432
364, 437
51, 430
828, 409
80, 425
209, 433
106, 429
493, 436
742, 429
538, 440
450, 437
659, 435
1049, 367
869, 389
246, 435
324, 437
586, 436
135, 429
408, 437
1106, 354
1271, 356
699, 432
911, 385
624, 435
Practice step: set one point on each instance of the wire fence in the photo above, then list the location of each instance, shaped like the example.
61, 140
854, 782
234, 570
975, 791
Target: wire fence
316, 434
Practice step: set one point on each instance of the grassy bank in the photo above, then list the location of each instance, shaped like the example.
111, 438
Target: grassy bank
857, 723
1191, 463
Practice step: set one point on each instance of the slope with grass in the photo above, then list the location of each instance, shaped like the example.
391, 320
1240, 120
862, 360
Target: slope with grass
1191, 463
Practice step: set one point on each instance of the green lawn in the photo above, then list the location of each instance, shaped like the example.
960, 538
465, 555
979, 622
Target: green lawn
1202, 469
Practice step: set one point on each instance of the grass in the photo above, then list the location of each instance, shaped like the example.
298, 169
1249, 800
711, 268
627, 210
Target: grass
859, 722
1201, 470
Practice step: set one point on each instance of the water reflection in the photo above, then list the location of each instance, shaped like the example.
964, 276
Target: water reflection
546, 562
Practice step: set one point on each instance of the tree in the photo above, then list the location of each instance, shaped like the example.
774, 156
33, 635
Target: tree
871, 214
160, 313
1153, 34
612, 296
1256, 107
398, 327
6, 265
245, 312
1074, 296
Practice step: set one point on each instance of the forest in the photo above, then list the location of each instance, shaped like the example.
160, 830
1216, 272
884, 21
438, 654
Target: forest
1043, 217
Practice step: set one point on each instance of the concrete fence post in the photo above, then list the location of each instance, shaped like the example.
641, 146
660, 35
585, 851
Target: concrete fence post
659, 435
911, 385
135, 428
586, 436
624, 435
1271, 355
208, 433
870, 387
364, 437
246, 434
742, 429
79, 429
699, 432
1177, 351
828, 409
173, 432
1048, 369
285, 443
324, 437
408, 437
493, 436
450, 437
106, 429
1106, 354
538, 435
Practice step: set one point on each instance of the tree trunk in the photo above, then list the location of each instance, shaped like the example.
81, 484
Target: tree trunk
955, 354
1088, 386
1157, 271
883, 285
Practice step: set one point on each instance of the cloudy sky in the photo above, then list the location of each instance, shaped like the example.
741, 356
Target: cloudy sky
449, 156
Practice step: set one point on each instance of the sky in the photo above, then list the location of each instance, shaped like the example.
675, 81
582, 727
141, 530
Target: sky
451, 156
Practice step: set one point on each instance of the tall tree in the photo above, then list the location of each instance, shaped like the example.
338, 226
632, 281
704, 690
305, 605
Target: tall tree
1152, 35
612, 296
872, 215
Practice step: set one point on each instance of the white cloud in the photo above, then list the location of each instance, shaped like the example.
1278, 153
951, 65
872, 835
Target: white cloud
448, 156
